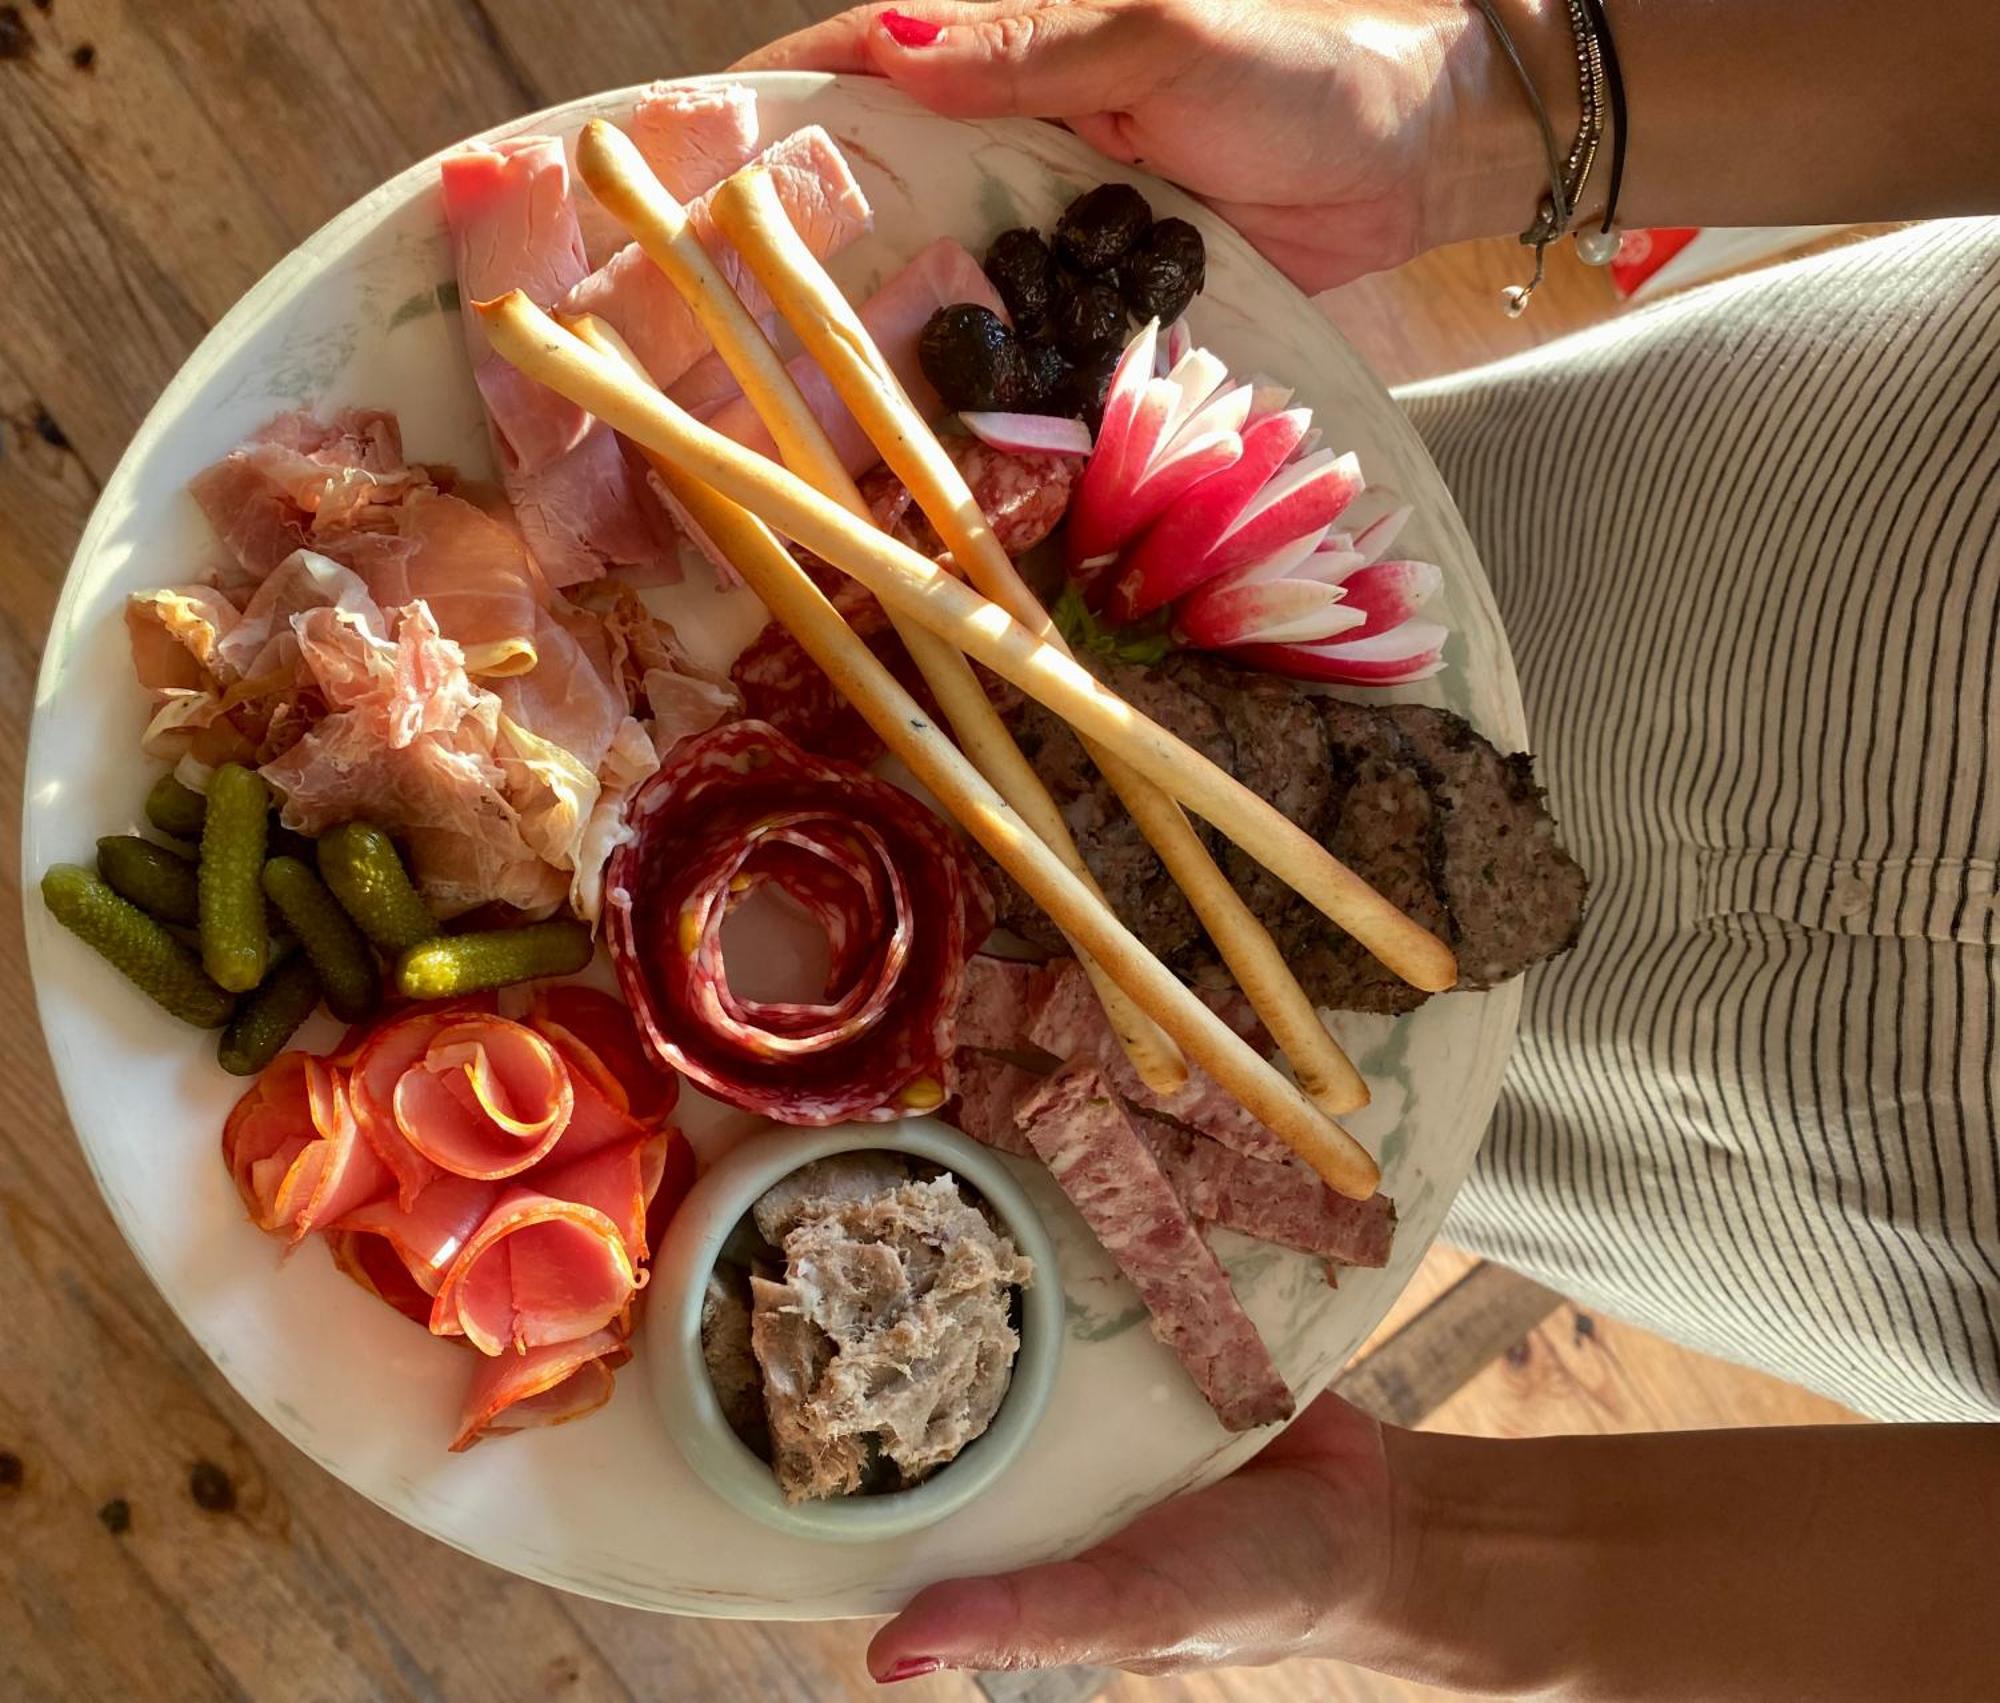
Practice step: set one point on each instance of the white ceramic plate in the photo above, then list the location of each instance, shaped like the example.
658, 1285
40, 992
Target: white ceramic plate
607, 1507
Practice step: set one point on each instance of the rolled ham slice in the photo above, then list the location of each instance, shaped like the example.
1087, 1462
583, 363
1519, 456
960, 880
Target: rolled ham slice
600, 1042
294, 1149
423, 1239
634, 297
538, 1270
693, 135
543, 1386
487, 1099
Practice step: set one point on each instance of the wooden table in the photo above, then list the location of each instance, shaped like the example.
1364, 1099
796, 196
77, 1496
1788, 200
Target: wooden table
157, 1540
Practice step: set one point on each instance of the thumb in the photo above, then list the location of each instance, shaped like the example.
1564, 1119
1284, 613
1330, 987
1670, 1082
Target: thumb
1026, 58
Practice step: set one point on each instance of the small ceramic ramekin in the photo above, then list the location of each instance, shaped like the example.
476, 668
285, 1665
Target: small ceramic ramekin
686, 1398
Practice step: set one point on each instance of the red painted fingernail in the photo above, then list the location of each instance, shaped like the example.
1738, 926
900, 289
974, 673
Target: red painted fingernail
906, 31
910, 1667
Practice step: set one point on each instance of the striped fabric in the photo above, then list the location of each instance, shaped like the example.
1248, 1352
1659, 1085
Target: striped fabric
1747, 547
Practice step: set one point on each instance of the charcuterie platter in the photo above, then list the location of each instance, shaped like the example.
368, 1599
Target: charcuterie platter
730, 607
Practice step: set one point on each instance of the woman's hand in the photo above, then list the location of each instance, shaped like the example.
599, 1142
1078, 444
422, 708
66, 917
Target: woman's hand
1339, 136
1291, 1556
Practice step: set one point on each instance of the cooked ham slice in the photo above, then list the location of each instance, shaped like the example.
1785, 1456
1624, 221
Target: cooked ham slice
577, 500
543, 1386
940, 275
618, 1181
693, 135
421, 1239
1079, 1127
538, 1270
295, 1151
487, 1099
635, 298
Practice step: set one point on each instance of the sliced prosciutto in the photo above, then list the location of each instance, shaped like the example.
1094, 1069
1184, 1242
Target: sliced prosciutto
898, 898
294, 1150
579, 502
539, 1269
895, 314
633, 296
550, 1385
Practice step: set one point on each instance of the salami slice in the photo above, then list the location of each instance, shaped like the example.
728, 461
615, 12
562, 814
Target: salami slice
903, 907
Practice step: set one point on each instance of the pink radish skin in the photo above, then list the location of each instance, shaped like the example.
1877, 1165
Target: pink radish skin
1389, 593
1413, 651
1374, 539
1083, 536
1285, 611
1306, 496
1029, 434
1172, 557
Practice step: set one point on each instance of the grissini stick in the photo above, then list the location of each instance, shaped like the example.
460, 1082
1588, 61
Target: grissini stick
788, 592
628, 189
909, 582
747, 210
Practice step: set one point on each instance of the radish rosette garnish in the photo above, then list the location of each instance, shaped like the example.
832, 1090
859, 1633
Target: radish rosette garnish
1206, 511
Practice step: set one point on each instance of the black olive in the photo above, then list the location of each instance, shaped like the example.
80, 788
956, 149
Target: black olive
1163, 274
1101, 224
1090, 316
969, 355
1084, 391
1041, 378
1024, 272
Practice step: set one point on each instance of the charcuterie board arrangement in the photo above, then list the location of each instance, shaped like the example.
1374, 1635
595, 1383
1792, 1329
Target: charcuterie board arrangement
766, 639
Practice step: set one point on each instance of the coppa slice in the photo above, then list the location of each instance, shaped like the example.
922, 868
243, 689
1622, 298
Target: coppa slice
634, 297
1077, 1125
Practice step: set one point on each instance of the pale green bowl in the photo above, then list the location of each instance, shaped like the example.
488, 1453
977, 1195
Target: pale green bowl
687, 1400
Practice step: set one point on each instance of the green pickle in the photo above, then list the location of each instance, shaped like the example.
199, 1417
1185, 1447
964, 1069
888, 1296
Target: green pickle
176, 809
160, 882
135, 944
456, 964
359, 862
266, 1020
340, 957
235, 941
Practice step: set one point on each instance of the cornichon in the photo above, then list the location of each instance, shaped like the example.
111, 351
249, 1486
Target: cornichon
135, 944
161, 883
359, 862
235, 942
342, 959
176, 809
455, 964
267, 1019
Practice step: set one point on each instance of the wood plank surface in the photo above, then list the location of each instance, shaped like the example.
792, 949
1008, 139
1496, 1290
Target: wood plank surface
156, 1539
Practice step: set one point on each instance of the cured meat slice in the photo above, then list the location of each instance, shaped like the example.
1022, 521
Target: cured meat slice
741, 807
550, 1385
487, 1099
577, 499
619, 1182
1077, 1125
633, 296
1068, 1022
538, 1270
599, 1041
374, 1264
999, 996
1283, 1203
989, 1089
379, 1063
693, 135
295, 1151
423, 1239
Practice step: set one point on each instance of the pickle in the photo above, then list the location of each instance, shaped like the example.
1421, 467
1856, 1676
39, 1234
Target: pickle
235, 942
340, 957
176, 809
134, 944
265, 1021
161, 883
359, 862
457, 964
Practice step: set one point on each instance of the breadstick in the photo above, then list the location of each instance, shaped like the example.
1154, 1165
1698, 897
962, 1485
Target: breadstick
910, 583
768, 569
747, 211
620, 178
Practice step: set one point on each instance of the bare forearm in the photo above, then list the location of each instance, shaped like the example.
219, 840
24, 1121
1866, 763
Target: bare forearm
1746, 112
1828, 1563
